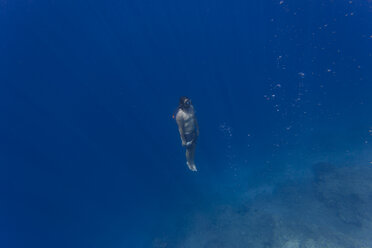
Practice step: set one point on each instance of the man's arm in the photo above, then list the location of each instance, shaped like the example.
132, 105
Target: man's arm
196, 122
179, 121
197, 127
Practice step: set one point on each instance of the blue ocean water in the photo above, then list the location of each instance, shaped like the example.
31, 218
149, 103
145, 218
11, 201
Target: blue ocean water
91, 157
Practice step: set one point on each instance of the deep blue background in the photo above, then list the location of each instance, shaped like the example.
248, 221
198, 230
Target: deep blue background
89, 153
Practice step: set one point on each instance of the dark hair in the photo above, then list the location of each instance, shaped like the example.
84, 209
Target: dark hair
182, 101
180, 105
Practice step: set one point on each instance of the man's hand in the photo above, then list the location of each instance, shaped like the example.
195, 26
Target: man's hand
189, 143
184, 143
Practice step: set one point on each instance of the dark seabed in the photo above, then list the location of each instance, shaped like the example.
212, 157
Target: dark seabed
91, 157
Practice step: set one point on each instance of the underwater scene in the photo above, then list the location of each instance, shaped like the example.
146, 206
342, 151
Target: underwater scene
186, 124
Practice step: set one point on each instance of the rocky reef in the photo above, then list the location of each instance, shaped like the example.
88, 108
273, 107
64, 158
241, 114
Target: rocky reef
331, 209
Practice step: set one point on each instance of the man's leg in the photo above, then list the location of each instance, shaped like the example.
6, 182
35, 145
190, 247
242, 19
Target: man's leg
190, 155
193, 156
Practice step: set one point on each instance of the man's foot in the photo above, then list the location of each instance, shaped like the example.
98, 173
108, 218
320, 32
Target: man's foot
191, 167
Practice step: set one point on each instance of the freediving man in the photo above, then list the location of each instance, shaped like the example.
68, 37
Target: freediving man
188, 128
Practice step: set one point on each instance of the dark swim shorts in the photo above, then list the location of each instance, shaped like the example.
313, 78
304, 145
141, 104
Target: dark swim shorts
190, 137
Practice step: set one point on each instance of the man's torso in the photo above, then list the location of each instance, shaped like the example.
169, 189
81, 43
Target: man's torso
188, 117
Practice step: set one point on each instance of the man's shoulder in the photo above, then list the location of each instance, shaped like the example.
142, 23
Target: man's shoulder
180, 114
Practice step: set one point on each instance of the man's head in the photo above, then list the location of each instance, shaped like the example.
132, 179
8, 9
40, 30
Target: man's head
185, 102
